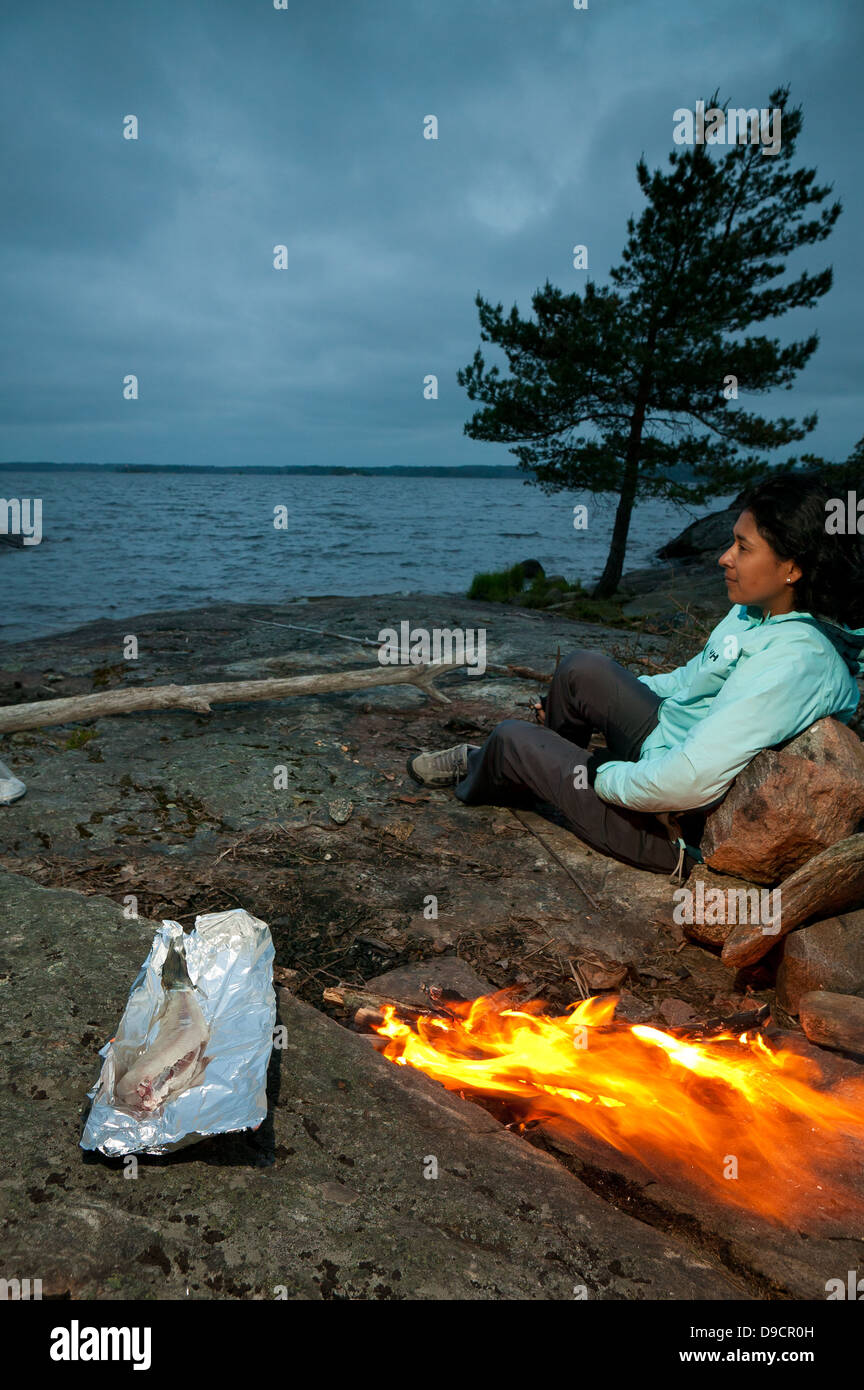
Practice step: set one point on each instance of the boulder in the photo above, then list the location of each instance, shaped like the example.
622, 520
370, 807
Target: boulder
673, 591
531, 568
789, 804
712, 533
833, 1020
828, 955
709, 533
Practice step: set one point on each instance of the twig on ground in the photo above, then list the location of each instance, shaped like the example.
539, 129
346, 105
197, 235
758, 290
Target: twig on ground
550, 851
577, 976
538, 949
320, 632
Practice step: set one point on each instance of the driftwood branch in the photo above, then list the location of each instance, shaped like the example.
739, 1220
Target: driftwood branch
35, 714
527, 673
830, 882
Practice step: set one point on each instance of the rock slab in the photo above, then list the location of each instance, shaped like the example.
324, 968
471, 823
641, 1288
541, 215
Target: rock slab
450, 972
330, 1199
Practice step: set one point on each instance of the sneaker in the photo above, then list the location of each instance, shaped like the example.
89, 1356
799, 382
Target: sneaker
441, 769
11, 788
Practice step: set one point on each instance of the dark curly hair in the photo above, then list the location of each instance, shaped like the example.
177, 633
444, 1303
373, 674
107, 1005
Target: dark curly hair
790, 513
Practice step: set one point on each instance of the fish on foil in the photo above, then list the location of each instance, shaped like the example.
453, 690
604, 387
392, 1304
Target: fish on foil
174, 1060
191, 1052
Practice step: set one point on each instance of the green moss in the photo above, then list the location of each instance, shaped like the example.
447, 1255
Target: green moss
508, 586
598, 610
80, 738
103, 676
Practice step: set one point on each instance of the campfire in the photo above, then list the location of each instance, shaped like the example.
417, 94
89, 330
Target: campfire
758, 1126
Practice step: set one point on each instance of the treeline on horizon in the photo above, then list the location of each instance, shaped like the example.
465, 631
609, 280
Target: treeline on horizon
470, 470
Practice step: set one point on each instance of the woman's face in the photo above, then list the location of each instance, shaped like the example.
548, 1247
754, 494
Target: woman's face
754, 574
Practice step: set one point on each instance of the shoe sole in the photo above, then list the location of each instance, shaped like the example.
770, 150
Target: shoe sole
431, 786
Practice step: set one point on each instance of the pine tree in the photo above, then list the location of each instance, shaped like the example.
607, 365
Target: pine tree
625, 388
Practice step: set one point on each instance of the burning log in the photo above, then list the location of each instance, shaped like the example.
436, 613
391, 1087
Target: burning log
365, 1009
758, 1020
830, 882
35, 714
679, 1105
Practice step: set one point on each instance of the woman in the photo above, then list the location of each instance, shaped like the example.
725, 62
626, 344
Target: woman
783, 657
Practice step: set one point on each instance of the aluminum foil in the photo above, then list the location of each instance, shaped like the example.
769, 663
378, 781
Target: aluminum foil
229, 960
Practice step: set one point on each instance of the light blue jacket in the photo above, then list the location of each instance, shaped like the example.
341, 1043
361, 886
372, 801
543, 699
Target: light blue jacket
757, 682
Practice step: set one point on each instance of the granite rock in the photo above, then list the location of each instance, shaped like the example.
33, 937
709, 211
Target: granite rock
833, 1020
827, 955
789, 804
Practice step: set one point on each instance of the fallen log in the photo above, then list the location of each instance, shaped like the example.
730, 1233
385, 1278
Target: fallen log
527, 673
830, 882
125, 700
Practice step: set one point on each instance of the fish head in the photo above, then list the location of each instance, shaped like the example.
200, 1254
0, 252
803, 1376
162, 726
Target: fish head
174, 972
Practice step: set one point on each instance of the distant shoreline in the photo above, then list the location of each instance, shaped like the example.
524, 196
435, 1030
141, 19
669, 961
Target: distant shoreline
475, 470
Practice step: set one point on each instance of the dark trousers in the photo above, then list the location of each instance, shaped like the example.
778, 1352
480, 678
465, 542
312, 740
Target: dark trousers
524, 764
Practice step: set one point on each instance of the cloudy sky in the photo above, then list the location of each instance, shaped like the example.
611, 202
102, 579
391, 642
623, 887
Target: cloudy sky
303, 126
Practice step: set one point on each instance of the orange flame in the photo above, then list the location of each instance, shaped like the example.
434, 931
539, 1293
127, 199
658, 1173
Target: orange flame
728, 1112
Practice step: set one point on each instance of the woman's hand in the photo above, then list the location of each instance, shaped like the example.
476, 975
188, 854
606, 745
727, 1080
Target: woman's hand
539, 711
670, 820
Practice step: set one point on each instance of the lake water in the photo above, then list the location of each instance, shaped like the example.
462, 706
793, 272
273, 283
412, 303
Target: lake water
119, 544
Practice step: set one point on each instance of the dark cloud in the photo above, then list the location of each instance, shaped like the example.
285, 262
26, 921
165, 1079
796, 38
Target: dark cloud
303, 127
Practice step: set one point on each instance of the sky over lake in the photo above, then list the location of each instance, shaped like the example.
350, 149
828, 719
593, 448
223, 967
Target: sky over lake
304, 127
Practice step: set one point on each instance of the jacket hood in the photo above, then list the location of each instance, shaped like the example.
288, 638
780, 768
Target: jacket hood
848, 641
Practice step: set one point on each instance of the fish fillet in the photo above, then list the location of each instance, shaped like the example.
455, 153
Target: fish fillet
173, 1061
